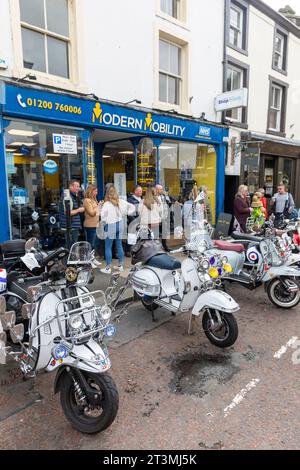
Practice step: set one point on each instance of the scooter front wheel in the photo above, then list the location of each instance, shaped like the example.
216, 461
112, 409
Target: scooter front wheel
279, 295
84, 417
221, 335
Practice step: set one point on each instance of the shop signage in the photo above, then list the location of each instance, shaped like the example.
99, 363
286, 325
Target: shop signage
65, 144
54, 107
50, 167
20, 196
232, 99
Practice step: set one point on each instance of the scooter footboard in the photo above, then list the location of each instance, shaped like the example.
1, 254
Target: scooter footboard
217, 300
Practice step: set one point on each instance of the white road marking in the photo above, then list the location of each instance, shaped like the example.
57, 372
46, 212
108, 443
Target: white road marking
284, 349
240, 396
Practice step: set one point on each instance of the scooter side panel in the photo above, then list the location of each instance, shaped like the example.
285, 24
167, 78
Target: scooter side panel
275, 272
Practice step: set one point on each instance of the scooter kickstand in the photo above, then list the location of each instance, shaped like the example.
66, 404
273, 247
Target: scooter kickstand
154, 319
191, 325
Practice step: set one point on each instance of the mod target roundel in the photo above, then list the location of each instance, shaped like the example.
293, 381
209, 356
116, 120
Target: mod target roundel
253, 256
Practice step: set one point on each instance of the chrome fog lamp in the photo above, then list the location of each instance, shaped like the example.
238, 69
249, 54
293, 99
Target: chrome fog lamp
83, 278
205, 265
224, 260
34, 292
105, 312
75, 322
110, 331
60, 351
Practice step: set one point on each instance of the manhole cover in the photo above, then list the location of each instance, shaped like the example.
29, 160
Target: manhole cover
197, 374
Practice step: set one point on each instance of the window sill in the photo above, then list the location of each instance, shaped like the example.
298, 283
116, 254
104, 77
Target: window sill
276, 133
171, 19
238, 49
159, 105
240, 125
50, 80
283, 72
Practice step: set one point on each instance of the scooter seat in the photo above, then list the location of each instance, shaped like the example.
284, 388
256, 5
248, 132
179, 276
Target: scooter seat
227, 246
164, 261
246, 238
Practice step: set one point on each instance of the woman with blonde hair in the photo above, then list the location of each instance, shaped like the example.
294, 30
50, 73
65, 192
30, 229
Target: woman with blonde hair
92, 213
151, 211
242, 209
113, 212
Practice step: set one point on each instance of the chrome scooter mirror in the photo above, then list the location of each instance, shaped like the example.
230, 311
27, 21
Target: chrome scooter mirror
31, 243
17, 333
8, 320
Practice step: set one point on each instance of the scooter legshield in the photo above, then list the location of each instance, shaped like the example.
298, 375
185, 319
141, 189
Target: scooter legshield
217, 300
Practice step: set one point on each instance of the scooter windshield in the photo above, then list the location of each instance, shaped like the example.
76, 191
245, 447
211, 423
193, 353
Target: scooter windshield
80, 253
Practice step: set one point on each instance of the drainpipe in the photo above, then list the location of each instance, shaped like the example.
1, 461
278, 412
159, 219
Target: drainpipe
226, 26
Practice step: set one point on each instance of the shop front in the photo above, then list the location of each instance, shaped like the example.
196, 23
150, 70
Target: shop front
48, 138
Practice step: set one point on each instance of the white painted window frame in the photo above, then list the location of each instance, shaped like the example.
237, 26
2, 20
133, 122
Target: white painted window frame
169, 74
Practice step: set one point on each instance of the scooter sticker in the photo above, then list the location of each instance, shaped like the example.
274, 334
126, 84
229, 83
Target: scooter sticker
253, 257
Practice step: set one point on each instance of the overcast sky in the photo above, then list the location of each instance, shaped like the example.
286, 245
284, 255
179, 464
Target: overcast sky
276, 4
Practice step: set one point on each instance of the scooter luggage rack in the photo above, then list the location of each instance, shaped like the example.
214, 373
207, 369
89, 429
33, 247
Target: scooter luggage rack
94, 310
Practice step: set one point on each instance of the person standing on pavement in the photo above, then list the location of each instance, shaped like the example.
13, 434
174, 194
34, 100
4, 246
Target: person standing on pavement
92, 213
151, 211
165, 203
242, 209
76, 210
135, 198
282, 203
112, 214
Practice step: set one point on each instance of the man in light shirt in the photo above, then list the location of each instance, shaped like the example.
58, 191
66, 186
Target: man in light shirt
165, 201
282, 202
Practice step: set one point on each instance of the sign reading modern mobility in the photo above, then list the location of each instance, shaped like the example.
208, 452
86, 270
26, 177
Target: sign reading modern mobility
47, 106
50, 167
232, 99
65, 144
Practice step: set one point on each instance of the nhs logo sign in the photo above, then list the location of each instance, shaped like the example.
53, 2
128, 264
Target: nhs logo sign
204, 131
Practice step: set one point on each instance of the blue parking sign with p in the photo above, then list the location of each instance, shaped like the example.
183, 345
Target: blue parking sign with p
57, 139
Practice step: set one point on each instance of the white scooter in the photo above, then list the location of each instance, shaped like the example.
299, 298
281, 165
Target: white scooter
158, 283
64, 329
255, 262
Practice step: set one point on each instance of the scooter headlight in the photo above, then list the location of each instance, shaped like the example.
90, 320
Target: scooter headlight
205, 265
105, 313
83, 278
60, 351
110, 331
75, 322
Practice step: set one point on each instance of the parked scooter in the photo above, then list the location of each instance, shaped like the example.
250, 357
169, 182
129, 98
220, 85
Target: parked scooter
265, 265
64, 329
158, 283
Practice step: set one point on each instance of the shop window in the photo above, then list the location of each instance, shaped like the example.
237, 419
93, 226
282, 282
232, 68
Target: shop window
280, 51
277, 107
170, 73
146, 164
37, 176
45, 36
183, 165
238, 25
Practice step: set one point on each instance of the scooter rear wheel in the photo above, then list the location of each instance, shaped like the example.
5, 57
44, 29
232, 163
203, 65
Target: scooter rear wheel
222, 336
280, 297
85, 418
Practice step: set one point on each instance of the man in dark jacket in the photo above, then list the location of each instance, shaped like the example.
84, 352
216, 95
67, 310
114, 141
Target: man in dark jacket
75, 212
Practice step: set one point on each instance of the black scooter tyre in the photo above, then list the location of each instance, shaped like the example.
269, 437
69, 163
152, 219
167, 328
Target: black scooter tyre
78, 419
231, 326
